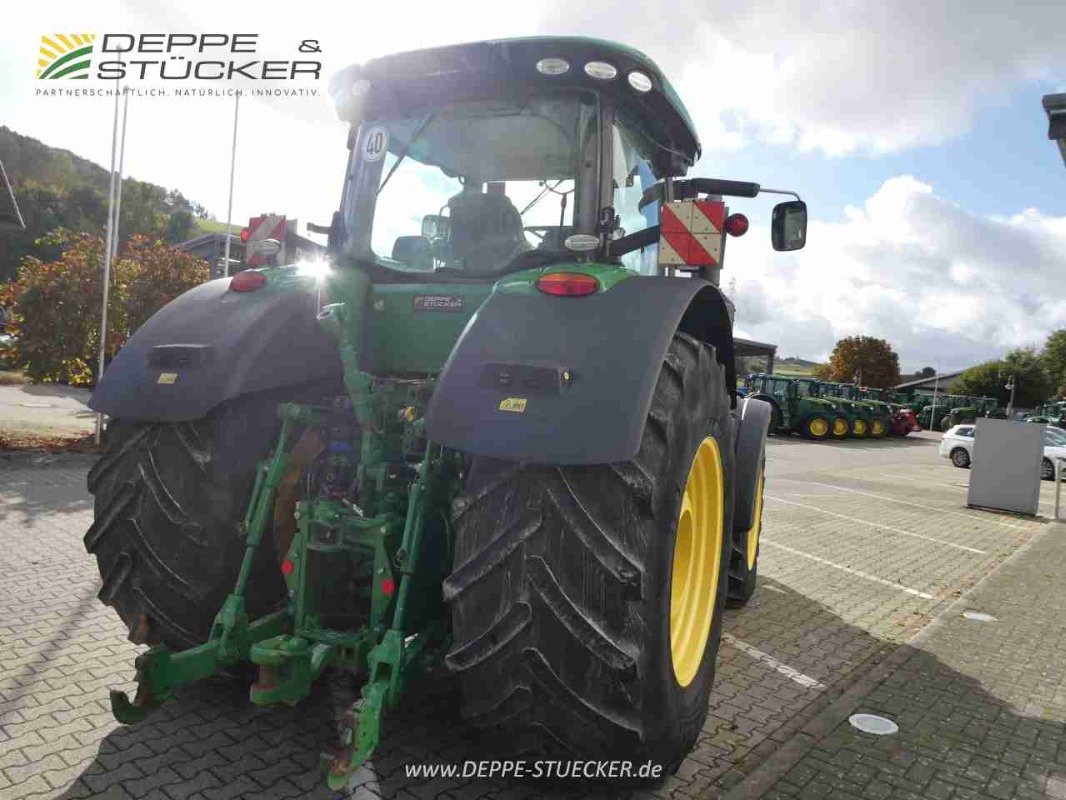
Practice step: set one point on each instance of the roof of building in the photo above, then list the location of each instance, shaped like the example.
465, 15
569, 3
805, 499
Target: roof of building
747, 347
931, 381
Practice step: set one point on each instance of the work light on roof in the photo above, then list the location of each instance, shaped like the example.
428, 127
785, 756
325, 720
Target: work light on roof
639, 81
601, 70
553, 66
360, 87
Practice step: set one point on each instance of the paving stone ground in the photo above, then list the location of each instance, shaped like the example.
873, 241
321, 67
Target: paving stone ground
865, 544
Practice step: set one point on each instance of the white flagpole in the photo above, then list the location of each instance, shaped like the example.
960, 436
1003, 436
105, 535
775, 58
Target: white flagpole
118, 182
232, 170
107, 259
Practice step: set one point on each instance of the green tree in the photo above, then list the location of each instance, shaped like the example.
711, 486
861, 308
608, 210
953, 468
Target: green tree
1032, 385
866, 360
926, 372
1054, 357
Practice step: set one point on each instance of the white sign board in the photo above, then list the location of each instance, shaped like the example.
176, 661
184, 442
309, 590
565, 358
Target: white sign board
1005, 468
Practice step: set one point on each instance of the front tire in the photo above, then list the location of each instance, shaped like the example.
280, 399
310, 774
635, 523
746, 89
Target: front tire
859, 428
744, 560
587, 601
169, 501
1047, 470
879, 428
817, 427
840, 429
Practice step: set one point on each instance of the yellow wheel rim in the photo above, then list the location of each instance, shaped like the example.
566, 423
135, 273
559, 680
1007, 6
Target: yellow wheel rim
877, 427
818, 427
756, 524
697, 560
860, 426
840, 427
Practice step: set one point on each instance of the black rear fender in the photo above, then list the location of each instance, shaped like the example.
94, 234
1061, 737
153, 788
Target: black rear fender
210, 345
569, 380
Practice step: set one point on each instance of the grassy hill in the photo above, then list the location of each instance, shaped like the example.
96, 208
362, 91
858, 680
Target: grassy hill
55, 188
794, 367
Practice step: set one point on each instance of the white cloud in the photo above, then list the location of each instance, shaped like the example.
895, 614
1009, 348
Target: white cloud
939, 283
837, 77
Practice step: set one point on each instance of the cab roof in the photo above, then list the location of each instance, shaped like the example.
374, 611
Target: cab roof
404, 82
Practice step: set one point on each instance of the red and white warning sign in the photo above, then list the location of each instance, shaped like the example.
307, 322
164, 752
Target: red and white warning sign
268, 226
690, 233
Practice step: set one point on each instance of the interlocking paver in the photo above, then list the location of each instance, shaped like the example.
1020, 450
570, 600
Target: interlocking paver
827, 623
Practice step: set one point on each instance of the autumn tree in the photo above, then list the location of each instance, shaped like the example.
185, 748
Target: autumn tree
54, 305
866, 360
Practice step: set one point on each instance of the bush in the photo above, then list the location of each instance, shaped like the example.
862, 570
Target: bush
54, 306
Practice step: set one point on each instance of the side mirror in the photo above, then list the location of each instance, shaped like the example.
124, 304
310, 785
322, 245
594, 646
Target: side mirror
788, 230
435, 226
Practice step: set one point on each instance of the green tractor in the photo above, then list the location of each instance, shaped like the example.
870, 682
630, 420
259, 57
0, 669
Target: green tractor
798, 407
506, 441
1053, 413
860, 415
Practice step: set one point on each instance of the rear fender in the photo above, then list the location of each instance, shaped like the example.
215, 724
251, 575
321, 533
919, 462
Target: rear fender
569, 380
750, 426
210, 345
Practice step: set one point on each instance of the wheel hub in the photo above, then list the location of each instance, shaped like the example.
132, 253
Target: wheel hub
696, 562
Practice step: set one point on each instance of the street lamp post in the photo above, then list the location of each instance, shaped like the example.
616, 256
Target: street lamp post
1010, 404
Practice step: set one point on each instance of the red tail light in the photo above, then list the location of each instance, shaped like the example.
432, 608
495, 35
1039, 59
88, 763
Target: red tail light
567, 284
247, 281
736, 225
246, 234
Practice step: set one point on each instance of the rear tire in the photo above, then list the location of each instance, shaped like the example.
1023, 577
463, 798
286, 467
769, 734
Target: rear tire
169, 500
960, 458
860, 428
1047, 470
880, 427
562, 588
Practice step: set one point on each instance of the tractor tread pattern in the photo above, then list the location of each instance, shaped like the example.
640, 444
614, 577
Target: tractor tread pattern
547, 620
165, 531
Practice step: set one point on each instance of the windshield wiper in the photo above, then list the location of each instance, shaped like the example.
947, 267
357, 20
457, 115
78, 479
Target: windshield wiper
414, 138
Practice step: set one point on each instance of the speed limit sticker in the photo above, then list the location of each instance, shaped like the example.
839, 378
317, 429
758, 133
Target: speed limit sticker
375, 144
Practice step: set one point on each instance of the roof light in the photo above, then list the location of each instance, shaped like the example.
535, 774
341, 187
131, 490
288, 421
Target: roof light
247, 281
736, 225
581, 242
567, 284
553, 66
601, 70
360, 87
639, 81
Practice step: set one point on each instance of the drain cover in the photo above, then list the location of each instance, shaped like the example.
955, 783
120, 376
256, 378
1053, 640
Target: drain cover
871, 723
978, 616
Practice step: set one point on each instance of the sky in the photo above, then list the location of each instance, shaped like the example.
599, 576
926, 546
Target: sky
913, 130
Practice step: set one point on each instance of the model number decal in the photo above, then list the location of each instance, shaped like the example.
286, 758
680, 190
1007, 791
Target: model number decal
438, 302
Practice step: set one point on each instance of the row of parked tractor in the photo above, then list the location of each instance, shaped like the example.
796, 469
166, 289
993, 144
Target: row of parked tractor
819, 409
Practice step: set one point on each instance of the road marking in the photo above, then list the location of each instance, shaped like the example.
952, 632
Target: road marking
879, 525
770, 588
849, 570
909, 503
791, 673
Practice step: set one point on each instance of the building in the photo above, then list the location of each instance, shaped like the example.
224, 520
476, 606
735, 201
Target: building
943, 383
747, 348
211, 247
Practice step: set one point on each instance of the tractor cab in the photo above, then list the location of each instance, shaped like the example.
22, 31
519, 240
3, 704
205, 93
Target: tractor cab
473, 161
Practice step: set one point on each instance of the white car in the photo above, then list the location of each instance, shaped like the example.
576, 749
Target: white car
957, 444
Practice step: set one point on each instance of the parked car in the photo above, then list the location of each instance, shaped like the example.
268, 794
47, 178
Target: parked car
957, 445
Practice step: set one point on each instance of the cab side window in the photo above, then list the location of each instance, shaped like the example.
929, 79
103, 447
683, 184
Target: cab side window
632, 175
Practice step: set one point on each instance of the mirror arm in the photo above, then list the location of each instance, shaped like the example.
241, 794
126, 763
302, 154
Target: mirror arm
780, 191
635, 241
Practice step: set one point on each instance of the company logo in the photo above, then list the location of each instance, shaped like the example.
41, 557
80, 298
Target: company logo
65, 55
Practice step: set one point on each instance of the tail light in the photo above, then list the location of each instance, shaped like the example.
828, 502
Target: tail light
567, 284
247, 281
736, 225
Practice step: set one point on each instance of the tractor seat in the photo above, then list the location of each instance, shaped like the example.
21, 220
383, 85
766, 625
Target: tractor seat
486, 231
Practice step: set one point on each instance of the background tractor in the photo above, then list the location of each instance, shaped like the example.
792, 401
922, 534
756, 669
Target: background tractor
902, 419
493, 431
798, 406
1052, 412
